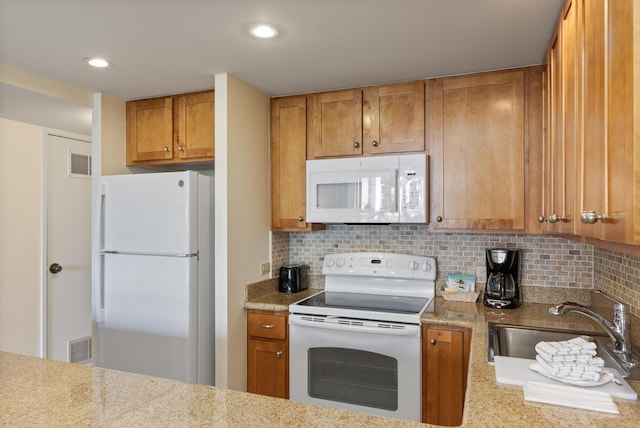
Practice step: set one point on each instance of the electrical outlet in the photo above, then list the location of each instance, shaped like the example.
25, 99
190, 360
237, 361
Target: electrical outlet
265, 268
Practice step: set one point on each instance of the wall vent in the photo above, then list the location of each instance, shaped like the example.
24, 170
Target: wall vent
79, 165
79, 350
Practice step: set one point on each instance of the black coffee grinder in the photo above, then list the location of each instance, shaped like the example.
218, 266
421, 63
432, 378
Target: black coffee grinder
502, 290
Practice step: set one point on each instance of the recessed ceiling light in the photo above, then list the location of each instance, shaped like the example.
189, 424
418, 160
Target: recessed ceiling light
263, 31
97, 62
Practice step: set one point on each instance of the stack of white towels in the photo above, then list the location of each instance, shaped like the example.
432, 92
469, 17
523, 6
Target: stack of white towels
573, 359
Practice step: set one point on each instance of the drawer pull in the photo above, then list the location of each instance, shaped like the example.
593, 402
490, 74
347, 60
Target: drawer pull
267, 326
279, 354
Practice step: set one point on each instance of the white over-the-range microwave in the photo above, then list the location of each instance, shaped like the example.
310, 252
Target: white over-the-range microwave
375, 189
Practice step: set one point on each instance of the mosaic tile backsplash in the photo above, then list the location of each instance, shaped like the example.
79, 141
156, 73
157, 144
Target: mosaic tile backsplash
545, 261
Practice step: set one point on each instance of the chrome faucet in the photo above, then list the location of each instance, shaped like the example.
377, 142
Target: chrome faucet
619, 330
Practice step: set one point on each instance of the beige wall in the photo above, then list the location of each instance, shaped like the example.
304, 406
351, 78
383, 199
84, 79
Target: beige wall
32, 82
109, 134
20, 231
242, 219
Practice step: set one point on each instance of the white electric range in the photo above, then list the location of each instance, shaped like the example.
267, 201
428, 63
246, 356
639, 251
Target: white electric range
356, 345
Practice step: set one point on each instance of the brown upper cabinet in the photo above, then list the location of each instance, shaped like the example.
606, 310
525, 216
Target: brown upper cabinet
562, 101
609, 172
171, 130
288, 161
485, 144
366, 121
592, 165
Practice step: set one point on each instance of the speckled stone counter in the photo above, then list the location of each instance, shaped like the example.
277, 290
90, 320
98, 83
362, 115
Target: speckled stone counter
487, 403
44, 393
36, 392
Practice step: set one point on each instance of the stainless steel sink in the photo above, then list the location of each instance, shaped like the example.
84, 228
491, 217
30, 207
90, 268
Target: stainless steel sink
520, 341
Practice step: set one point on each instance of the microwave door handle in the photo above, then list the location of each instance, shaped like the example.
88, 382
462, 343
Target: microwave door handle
358, 193
396, 191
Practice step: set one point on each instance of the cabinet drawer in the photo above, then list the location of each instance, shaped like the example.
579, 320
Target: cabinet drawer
268, 326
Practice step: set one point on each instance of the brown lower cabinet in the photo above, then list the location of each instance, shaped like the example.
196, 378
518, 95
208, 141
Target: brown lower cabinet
445, 361
268, 353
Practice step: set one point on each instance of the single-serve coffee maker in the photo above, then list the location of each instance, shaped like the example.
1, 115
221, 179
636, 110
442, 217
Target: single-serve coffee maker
502, 290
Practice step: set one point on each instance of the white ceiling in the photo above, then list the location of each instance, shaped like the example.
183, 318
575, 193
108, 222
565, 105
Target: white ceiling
160, 47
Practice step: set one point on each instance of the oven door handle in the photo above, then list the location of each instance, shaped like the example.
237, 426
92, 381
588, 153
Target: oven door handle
333, 323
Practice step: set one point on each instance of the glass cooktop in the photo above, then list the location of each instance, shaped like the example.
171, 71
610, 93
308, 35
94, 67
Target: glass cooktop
368, 302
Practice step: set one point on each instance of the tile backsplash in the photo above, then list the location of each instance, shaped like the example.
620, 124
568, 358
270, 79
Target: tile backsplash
619, 275
545, 261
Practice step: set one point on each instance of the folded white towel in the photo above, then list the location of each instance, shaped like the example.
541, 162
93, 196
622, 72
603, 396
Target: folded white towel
575, 346
584, 357
573, 371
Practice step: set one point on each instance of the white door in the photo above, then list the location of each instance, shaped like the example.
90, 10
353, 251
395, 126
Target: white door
68, 249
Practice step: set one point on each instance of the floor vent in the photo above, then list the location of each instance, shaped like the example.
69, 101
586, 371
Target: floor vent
80, 350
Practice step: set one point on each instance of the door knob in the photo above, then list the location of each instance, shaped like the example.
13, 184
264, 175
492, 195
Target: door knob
433, 341
55, 268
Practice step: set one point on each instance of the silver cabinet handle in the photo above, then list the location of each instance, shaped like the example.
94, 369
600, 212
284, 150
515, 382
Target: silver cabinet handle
554, 218
300, 218
433, 341
267, 326
165, 149
542, 219
279, 354
356, 144
181, 149
439, 218
590, 217
374, 143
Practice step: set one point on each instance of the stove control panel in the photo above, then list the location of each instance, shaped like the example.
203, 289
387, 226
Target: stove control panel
388, 265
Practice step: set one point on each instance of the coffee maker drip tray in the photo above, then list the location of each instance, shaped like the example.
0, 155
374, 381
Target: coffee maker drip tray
500, 304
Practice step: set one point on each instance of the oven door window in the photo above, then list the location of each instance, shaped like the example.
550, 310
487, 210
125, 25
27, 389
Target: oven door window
354, 377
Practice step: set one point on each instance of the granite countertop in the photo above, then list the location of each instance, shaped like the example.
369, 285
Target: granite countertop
487, 403
36, 392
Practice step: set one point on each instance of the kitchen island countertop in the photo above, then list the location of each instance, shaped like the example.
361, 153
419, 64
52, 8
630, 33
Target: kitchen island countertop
36, 392
44, 393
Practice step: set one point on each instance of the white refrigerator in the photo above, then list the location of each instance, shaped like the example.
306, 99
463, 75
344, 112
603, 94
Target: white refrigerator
153, 298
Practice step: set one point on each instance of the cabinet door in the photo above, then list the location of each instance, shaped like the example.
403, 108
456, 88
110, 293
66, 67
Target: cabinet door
267, 368
553, 163
335, 124
623, 124
149, 130
478, 159
608, 174
194, 130
288, 164
445, 359
393, 118
593, 150
565, 125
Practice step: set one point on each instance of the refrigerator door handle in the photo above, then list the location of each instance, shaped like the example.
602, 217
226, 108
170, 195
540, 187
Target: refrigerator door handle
138, 253
100, 292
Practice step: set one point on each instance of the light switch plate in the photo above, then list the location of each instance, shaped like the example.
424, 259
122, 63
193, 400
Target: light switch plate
265, 268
